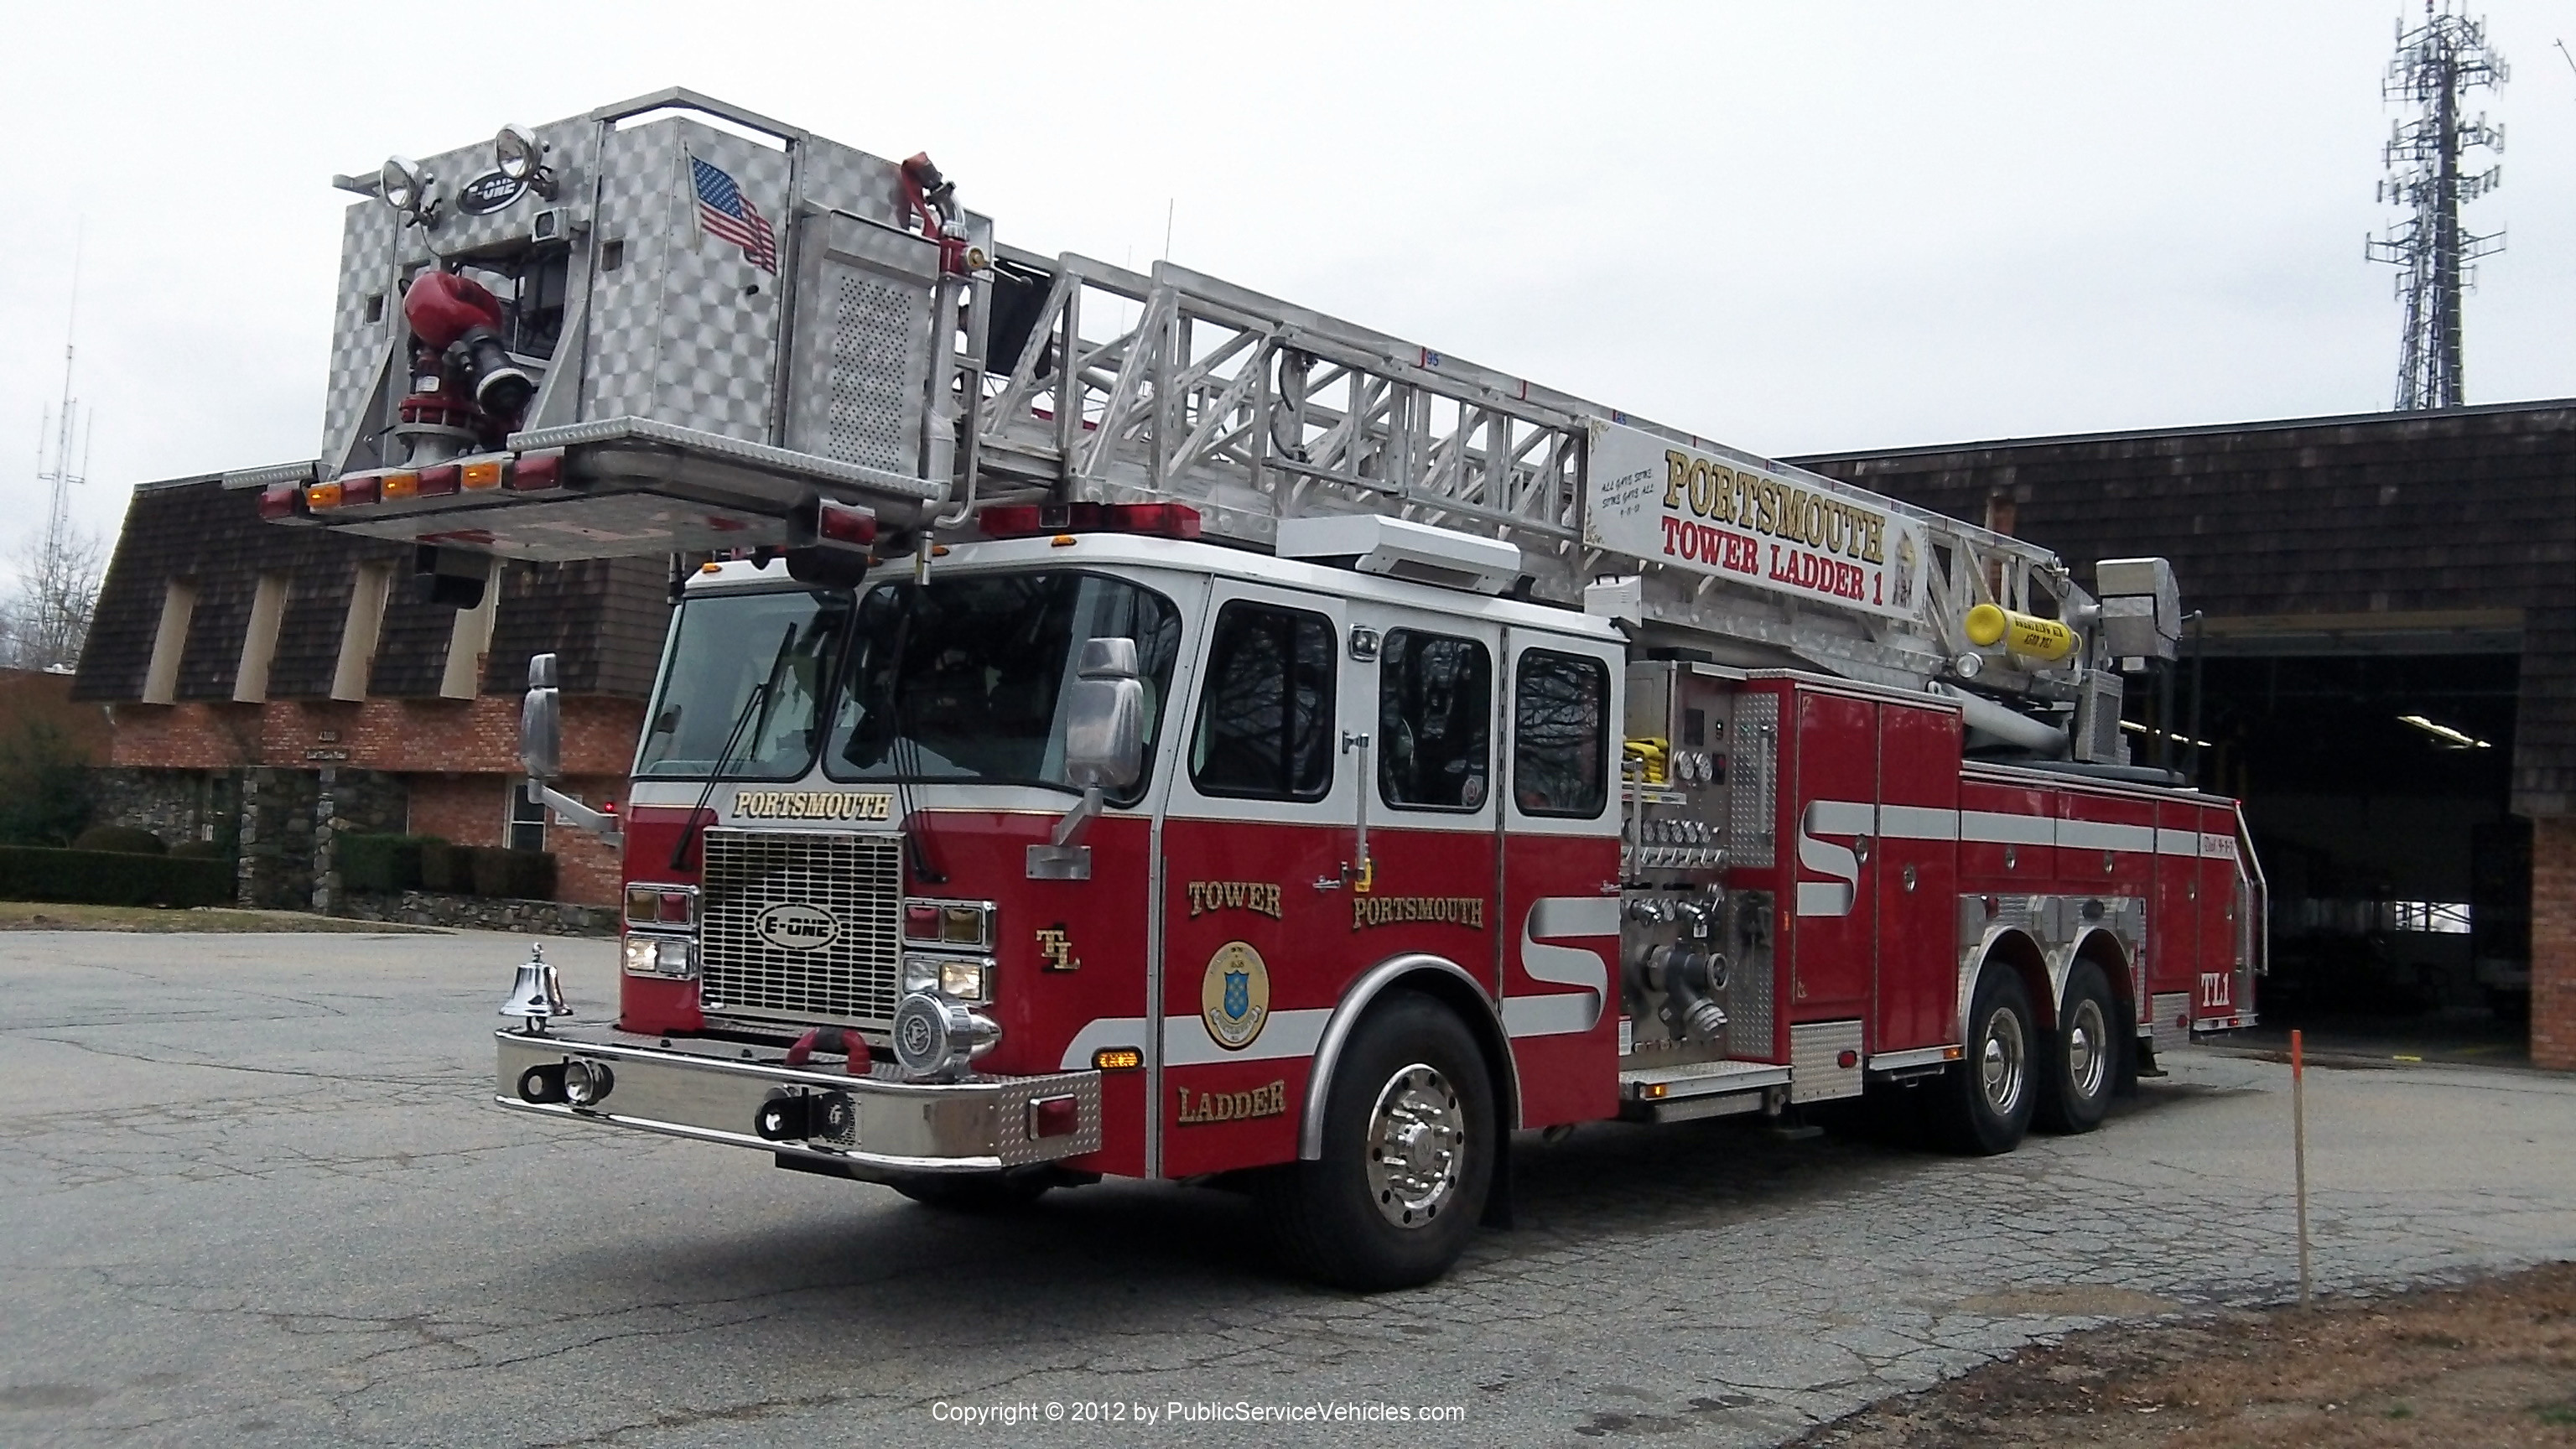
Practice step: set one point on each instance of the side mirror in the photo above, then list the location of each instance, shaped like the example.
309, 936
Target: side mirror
541, 722
1104, 727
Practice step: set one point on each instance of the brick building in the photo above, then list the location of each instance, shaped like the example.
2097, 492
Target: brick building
2388, 660
274, 687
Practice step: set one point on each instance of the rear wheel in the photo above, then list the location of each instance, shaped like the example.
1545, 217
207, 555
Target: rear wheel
2082, 1068
1408, 1155
1991, 1092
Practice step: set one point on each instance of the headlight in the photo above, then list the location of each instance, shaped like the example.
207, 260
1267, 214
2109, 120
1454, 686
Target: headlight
968, 979
402, 183
670, 957
516, 151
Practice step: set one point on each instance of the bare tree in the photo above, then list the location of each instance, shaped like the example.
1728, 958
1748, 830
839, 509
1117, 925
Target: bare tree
47, 620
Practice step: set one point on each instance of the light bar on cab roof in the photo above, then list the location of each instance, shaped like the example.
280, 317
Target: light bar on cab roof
1029, 520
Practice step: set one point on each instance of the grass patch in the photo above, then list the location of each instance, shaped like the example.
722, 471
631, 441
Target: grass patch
56, 916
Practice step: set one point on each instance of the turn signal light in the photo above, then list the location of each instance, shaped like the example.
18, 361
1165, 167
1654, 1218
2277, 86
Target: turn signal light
1117, 1059
322, 495
481, 474
400, 485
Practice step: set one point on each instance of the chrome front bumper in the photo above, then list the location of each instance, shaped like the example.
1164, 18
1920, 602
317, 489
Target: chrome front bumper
868, 1126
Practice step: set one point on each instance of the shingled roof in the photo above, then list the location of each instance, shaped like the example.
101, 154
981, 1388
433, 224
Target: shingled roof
2404, 516
604, 618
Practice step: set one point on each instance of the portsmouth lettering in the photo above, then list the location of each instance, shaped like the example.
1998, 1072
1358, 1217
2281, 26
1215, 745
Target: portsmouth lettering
1468, 911
812, 805
1259, 897
1201, 1108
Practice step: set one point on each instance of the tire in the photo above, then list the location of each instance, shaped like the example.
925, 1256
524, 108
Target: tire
1992, 1092
973, 1192
2081, 1066
1408, 1155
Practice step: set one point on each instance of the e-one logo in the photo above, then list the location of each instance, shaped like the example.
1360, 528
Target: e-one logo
791, 926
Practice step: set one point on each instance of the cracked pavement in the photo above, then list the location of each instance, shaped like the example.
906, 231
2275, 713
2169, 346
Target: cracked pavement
255, 1193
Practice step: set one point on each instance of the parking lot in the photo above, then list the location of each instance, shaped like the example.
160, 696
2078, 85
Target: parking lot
254, 1193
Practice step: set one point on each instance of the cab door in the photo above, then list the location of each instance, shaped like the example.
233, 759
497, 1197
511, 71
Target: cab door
1557, 932
1423, 691
1259, 826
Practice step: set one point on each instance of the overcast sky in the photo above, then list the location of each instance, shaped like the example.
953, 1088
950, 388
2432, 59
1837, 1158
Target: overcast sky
1796, 227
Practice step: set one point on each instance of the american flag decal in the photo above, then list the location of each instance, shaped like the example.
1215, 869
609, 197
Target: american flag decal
724, 211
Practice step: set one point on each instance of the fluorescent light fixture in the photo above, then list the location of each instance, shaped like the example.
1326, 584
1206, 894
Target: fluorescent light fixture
2450, 738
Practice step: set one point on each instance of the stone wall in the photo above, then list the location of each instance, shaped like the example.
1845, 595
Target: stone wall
176, 805
479, 913
276, 842
351, 802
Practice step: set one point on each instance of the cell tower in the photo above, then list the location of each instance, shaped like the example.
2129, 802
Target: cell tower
2438, 62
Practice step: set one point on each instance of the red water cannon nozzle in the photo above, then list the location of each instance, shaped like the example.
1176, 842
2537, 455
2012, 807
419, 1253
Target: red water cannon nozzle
449, 313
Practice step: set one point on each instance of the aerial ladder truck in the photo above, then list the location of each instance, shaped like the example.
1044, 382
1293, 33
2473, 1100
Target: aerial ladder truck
1114, 722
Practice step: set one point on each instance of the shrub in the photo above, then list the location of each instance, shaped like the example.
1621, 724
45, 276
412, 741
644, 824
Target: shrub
524, 875
382, 862
444, 868
112, 878
196, 850
44, 785
121, 840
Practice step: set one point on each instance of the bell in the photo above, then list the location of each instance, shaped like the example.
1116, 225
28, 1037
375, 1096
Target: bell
536, 997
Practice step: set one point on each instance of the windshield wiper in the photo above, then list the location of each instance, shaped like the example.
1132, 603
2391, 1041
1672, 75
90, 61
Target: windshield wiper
757, 700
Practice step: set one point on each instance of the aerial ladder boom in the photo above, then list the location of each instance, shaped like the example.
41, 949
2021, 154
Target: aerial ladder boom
656, 336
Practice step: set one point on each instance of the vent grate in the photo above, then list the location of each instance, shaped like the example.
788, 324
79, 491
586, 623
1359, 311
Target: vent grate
856, 879
872, 341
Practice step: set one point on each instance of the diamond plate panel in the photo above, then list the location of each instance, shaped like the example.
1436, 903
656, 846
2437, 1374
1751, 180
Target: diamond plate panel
838, 178
357, 344
857, 879
719, 314
1816, 1073
1753, 780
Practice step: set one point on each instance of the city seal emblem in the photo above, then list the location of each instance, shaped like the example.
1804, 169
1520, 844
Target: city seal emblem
1234, 996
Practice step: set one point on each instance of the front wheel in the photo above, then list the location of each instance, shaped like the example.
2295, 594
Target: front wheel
1408, 1155
2084, 1065
1990, 1092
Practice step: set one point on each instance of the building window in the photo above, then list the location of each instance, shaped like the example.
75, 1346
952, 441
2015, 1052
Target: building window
527, 823
358, 634
259, 639
169, 642
1435, 707
1266, 711
1558, 705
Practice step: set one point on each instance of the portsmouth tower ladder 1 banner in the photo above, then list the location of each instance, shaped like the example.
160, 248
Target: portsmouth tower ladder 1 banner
1724, 514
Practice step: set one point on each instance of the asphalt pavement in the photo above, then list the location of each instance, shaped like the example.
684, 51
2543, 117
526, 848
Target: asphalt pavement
253, 1192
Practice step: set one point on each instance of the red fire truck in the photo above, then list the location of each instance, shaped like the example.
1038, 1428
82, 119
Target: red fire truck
1118, 723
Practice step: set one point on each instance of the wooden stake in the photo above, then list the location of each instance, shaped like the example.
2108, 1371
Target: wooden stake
2299, 1151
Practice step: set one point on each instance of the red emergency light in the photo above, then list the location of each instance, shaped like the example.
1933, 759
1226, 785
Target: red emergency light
1029, 520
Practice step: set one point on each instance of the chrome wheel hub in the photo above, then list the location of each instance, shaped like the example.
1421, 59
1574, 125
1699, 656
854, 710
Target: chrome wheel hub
2087, 1056
2003, 1063
1417, 1145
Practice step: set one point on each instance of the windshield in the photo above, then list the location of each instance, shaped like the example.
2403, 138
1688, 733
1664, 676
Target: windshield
750, 669
965, 678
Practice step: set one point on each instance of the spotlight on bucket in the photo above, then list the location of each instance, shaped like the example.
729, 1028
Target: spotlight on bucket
536, 996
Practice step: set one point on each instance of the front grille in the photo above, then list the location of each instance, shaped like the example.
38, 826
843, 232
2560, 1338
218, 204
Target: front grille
856, 879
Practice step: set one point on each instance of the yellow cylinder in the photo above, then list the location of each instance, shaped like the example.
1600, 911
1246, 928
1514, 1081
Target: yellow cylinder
2025, 636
